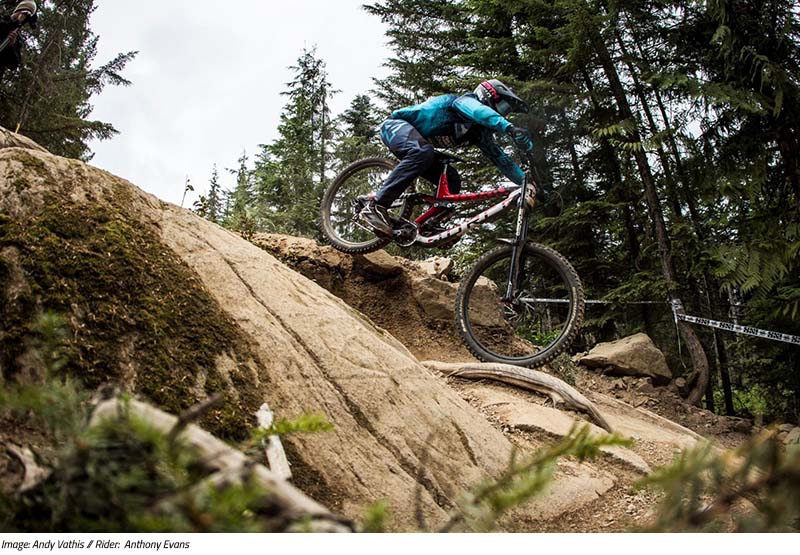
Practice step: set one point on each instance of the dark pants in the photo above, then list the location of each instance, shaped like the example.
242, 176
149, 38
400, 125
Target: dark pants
417, 159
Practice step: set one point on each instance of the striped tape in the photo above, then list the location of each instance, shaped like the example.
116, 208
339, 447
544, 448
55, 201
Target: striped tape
746, 330
677, 309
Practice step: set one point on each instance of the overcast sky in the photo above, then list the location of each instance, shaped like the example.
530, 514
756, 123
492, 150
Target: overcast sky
208, 78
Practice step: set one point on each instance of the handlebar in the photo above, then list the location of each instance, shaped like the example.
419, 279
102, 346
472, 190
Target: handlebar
542, 192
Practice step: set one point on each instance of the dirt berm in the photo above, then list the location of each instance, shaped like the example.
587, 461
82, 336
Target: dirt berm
175, 308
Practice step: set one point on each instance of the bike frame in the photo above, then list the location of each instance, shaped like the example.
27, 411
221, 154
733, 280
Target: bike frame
445, 199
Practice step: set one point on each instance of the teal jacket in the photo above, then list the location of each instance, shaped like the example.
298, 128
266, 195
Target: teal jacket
450, 120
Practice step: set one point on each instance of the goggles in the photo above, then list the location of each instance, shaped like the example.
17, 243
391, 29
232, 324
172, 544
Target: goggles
503, 107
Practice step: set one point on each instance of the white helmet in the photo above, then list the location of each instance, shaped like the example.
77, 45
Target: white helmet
26, 6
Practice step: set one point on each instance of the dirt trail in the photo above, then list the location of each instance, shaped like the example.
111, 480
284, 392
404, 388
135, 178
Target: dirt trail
528, 420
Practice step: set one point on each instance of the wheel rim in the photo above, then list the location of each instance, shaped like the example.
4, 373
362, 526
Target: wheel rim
345, 202
535, 321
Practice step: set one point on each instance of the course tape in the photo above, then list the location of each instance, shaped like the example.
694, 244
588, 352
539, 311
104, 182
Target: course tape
746, 330
677, 309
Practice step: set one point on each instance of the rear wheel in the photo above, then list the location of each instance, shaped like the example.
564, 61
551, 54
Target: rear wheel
344, 199
536, 325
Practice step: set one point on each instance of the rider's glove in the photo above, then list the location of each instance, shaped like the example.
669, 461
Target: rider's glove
521, 138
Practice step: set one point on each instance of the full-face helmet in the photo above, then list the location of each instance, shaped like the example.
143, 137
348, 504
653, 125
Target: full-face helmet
500, 98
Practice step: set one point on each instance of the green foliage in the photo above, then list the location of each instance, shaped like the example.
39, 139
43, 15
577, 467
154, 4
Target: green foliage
56, 401
292, 173
211, 206
240, 209
305, 423
703, 485
375, 518
642, 113
701, 98
357, 136
122, 474
50, 96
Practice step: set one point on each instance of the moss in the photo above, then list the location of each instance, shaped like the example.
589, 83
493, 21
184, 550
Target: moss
131, 300
20, 184
30, 161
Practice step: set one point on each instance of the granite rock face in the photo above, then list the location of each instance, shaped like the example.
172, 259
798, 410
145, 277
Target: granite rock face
636, 355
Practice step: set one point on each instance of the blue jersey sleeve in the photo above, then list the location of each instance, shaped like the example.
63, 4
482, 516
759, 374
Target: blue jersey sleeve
499, 158
472, 109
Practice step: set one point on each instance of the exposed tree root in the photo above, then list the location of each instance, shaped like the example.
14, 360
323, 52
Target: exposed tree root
526, 379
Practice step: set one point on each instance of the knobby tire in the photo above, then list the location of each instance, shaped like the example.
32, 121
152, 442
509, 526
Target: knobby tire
325, 224
574, 319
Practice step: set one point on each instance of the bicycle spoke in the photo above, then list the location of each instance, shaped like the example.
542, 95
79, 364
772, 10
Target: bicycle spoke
537, 319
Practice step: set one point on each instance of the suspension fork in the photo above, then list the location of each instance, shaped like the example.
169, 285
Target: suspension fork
518, 247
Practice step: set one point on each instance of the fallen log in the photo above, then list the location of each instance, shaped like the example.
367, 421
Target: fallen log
524, 378
33, 474
229, 463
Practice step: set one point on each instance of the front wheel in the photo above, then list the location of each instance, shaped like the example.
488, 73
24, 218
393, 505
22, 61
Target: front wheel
532, 327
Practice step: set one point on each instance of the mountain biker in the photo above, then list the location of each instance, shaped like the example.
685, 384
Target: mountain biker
446, 121
11, 55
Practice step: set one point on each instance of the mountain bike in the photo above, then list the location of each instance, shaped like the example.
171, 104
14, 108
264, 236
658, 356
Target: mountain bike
521, 303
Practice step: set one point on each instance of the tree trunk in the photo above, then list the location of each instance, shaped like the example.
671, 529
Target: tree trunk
615, 173
698, 356
672, 194
788, 146
724, 373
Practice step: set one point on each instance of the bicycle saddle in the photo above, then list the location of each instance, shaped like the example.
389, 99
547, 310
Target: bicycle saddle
447, 158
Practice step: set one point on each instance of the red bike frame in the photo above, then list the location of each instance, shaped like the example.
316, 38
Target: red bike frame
446, 198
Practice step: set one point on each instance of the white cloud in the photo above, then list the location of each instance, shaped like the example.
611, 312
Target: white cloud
207, 80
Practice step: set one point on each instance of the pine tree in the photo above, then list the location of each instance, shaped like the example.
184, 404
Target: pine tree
293, 172
240, 210
211, 206
665, 126
49, 98
215, 197
358, 132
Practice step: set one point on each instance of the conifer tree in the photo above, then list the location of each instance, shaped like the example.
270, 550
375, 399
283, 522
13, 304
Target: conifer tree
240, 211
214, 202
358, 132
667, 127
49, 98
293, 172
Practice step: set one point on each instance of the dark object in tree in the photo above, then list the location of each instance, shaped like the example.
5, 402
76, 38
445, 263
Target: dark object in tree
11, 46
